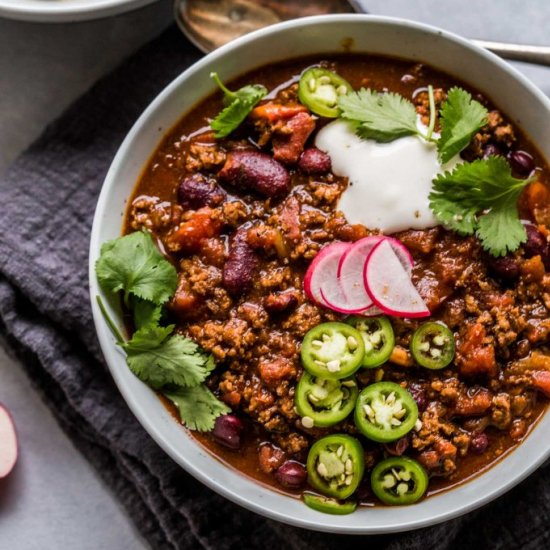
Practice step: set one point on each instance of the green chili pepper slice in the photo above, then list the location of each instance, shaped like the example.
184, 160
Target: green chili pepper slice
323, 403
399, 480
329, 505
332, 351
378, 338
433, 345
385, 412
335, 465
319, 90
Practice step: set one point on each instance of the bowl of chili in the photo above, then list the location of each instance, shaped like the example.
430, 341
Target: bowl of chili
336, 354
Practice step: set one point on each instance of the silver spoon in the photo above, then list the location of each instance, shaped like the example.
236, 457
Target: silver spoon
211, 23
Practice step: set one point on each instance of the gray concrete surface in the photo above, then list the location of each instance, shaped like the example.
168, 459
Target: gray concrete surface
54, 499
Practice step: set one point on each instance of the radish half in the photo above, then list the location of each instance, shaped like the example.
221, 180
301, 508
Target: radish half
8, 443
350, 272
389, 284
323, 268
402, 253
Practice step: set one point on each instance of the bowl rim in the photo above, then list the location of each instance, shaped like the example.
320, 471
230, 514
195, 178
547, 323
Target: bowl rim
73, 10
107, 343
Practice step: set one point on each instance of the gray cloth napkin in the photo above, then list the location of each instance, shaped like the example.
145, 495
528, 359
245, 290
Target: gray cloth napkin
48, 199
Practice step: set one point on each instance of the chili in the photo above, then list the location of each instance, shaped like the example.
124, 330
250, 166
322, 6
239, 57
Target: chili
332, 350
399, 480
324, 402
385, 412
335, 465
378, 338
319, 90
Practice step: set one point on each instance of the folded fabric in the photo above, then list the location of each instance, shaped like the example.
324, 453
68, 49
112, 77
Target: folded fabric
49, 196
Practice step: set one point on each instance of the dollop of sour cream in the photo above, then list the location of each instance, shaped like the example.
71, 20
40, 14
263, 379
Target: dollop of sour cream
389, 183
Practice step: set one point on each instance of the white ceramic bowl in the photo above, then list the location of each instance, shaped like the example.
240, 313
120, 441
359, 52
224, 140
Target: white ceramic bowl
511, 92
66, 10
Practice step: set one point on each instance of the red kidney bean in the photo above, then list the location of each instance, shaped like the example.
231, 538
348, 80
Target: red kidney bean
314, 161
419, 395
491, 151
505, 268
479, 443
238, 270
228, 430
197, 191
364, 492
522, 163
277, 302
546, 257
291, 474
536, 242
256, 172
397, 448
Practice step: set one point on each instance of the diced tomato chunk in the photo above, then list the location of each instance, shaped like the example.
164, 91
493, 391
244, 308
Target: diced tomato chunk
474, 356
473, 405
273, 111
202, 224
541, 381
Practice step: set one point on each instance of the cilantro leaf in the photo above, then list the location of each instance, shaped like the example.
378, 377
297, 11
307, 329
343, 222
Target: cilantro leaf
198, 407
481, 197
134, 265
460, 118
145, 313
158, 359
383, 117
238, 106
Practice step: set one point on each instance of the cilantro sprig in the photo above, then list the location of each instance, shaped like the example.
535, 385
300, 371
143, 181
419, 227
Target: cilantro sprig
166, 361
387, 116
460, 118
238, 105
481, 197
383, 117
133, 264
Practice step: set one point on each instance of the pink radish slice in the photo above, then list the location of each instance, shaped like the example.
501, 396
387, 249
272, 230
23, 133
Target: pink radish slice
350, 272
324, 267
390, 286
402, 253
8, 443
333, 297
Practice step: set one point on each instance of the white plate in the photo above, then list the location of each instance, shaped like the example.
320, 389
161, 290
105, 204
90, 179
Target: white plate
66, 10
510, 91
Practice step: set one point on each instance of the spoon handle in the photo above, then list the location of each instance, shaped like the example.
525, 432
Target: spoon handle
539, 55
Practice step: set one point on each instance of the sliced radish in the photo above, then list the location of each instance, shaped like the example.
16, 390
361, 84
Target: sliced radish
333, 297
402, 253
8, 443
350, 272
323, 268
389, 285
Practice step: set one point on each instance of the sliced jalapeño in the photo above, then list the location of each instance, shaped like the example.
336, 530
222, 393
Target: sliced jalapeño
319, 90
332, 351
385, 412
378, 338
399, 480
322, 402
433, 345
335, 465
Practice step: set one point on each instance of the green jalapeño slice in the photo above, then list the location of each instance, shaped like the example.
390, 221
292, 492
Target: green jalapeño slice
335, 465
329, 505
385, 412
433, 346
319, 90
332, 351
378, 338
323, 403
399, 481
